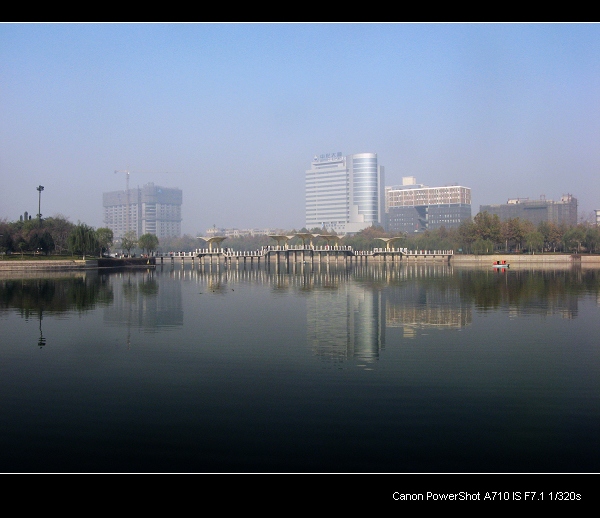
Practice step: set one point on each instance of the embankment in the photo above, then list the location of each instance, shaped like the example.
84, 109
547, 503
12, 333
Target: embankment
60, 265
528, 261
126, 262
73, 264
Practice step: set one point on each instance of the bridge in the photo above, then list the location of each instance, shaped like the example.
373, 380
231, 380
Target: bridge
303, 254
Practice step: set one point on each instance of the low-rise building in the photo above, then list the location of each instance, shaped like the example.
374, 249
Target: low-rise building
413, 207
537, 211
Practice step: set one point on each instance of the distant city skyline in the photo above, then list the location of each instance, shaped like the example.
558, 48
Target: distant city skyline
509, 110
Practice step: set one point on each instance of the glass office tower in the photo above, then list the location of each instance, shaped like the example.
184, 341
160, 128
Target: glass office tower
344, 193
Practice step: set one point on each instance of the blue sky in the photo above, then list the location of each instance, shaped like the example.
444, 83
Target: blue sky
510, 110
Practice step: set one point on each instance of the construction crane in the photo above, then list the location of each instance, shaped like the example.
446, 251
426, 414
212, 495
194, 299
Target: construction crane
127, 174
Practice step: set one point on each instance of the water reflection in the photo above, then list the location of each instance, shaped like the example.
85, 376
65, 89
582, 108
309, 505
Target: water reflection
522, 292
141, 301
34, 294
56, 294
251, 369
347, 308
345, 322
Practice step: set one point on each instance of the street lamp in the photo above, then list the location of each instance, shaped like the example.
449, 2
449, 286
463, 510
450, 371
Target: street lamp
40, 188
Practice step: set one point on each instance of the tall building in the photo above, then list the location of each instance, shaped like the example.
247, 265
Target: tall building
536, 211
149, 210
413, 207
344, 193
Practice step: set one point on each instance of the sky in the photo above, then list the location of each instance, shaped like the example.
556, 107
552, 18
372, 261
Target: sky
233, 113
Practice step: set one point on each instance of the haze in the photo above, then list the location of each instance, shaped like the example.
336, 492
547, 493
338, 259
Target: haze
510, 110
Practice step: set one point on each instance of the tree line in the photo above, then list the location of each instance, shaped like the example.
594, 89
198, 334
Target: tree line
57, 235
484, 234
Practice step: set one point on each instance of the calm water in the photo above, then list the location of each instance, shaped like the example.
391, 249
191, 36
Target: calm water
368, 369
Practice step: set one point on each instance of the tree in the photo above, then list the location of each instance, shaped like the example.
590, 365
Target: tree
487, 227
40, 240
105, 239
574, 237
483, 246
148, 242
366, 238
592, 238
59, 227
6, 240
83, 240
553, 234
466, 235
535, 241
129, 241
185, 243
515, 230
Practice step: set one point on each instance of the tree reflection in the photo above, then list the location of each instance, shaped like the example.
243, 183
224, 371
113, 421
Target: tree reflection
57, 295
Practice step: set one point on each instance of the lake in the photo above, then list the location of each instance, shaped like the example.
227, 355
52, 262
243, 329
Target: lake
386, 368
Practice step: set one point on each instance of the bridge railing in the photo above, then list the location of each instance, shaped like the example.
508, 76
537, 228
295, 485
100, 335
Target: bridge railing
429, 252
174, 254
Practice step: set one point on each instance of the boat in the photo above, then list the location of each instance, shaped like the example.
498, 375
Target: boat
500, 264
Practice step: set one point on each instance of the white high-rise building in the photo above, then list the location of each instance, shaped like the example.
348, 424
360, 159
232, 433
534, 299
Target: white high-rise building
344, 193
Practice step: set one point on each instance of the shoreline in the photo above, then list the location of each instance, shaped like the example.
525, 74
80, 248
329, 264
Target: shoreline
74, 264
538, 260
52, 264
467, 260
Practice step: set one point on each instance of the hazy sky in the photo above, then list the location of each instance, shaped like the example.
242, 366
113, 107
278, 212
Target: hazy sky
510, 110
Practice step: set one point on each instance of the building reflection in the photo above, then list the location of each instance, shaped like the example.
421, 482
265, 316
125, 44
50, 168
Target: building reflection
349, 308
418, 307
345, 322
140, 301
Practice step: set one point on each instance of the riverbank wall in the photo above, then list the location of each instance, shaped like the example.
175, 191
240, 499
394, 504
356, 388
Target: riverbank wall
126, 262
49, 265
528, 261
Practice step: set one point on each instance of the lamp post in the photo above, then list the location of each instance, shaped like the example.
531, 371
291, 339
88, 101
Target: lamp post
40, 188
